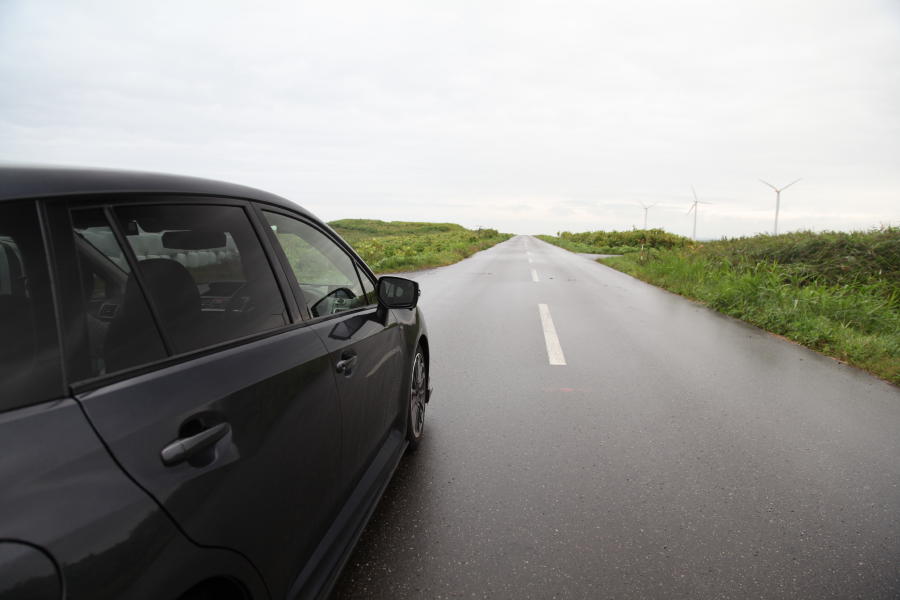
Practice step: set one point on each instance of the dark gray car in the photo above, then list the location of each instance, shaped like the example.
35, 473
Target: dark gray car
203, 390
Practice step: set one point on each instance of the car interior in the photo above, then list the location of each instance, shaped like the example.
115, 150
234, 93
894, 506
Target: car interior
200, 284
29, 354
15, 308
327, 277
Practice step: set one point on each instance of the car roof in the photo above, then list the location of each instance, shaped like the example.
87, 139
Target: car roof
20, 182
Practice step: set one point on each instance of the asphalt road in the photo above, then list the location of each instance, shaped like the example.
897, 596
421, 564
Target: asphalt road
677, 453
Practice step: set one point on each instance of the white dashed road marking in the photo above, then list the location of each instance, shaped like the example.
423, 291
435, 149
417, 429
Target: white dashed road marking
554, 349
534, 276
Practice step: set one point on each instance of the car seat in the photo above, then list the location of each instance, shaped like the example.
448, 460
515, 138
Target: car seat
17, 353
177, 301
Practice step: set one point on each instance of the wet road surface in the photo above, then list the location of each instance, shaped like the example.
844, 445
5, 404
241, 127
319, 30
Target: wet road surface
676, 453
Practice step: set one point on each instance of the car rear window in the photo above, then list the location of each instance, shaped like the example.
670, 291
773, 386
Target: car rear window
204, 271
121, 332
30, 369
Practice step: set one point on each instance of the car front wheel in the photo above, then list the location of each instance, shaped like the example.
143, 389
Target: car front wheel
418, 395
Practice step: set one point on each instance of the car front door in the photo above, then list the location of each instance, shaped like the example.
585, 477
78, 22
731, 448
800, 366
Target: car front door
365, 343
200, 376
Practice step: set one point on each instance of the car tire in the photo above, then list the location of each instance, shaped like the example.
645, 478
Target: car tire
418, 396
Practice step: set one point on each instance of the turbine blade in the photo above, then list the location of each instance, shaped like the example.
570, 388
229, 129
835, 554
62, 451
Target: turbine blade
790, 184
769, 184
695, 193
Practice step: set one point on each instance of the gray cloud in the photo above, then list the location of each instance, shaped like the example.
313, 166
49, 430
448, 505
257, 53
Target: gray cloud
465, 111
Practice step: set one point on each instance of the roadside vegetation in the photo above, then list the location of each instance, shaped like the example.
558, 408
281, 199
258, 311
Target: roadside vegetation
616, 242
391, 247
838, 293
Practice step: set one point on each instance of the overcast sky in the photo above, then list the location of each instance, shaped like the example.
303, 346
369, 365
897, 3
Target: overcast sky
530, 117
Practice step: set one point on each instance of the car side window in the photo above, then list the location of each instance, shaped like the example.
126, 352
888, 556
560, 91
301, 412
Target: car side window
30, 369
121, 332
325, 273
204, 271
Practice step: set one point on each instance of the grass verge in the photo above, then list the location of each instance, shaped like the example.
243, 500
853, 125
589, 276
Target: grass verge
838, 293
391, 247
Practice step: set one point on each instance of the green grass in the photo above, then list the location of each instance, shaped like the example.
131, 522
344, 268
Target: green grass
395, 246
616, 242
353, 230
838, 293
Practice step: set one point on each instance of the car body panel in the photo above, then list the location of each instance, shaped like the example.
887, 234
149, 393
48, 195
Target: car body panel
30, 181
270, 479
322, 570
368, 392
28, 571
63, 494
275, 504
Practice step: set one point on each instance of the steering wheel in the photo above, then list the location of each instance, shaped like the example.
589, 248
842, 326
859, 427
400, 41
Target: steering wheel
346, 294
239, 304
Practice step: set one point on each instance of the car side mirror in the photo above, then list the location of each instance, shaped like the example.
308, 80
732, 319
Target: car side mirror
397, 292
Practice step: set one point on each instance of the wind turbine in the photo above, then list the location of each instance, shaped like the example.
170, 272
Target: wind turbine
778, 199
694, 208
646, 208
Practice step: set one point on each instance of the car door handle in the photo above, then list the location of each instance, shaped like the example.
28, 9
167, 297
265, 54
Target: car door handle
347, 363
183, 449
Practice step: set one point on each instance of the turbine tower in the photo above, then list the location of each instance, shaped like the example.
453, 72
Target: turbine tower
694, 208
646, 208
778, 199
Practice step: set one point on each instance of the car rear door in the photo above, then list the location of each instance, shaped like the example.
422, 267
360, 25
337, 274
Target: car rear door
72, 523
199, 374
